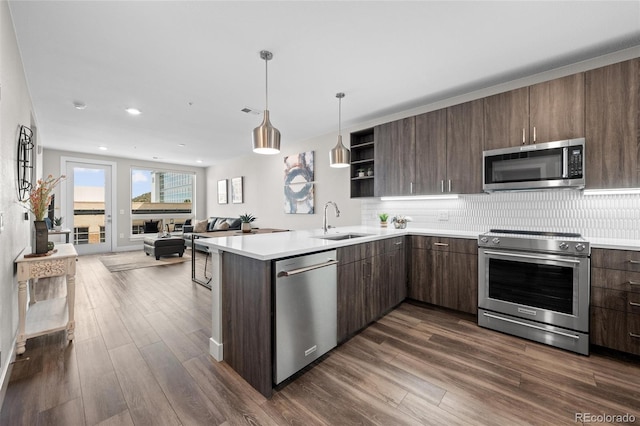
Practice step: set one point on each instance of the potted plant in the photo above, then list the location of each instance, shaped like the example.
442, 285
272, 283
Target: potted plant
360, 172
383, 219
246, 220
57, 223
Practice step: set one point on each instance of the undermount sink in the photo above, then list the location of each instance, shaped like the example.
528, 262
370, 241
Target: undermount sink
347, 236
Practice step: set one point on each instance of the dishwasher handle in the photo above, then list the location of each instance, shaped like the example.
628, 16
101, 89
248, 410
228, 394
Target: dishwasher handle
306, 268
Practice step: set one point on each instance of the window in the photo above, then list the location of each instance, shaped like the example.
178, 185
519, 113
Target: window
161, 195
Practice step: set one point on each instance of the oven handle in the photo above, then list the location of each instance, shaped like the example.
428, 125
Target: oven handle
529, 256
573, 336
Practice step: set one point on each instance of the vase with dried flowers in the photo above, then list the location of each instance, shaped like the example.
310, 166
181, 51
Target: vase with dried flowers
38, 204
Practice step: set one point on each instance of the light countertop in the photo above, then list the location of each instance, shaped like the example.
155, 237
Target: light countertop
285, 244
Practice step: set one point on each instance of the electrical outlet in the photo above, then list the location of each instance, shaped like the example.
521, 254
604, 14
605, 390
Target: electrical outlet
121, 235
443, 215
121, 211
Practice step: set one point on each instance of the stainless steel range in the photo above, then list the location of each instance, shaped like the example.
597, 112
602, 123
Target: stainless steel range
535, 285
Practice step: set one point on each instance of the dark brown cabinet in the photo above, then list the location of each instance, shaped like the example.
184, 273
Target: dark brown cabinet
613, 126
395, 157
545, 112
465, 142
444, 272
615, 299
448, 153
371, 281
506, 119
431, 152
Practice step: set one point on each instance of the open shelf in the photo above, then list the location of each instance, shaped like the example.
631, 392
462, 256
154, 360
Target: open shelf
362, 158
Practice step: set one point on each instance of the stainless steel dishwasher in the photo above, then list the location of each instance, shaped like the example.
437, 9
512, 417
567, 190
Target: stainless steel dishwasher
306, 311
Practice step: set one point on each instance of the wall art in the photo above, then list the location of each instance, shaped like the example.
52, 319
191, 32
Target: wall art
222, 191
236, 190
298, 183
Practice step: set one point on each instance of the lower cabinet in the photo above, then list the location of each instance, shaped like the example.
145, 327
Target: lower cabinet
615, 299
371, 281
444, 272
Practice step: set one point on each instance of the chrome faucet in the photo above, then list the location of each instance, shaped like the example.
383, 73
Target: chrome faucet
325, 227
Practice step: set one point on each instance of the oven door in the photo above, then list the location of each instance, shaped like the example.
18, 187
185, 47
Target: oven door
545, 288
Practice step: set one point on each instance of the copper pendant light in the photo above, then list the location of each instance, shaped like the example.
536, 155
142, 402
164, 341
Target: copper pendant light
266, 138
339, 156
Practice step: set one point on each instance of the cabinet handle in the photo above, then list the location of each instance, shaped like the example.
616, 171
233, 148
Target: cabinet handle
632, 283
634, 335
634, 304
399, 243
449, 185
523, 139
411, 188
634, 262
441, 244
442, 185
534, 133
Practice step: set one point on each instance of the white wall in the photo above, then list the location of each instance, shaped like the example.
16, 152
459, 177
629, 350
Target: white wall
51, 165
264, 186
15, 110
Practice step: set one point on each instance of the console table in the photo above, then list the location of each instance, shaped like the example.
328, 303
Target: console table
46, 316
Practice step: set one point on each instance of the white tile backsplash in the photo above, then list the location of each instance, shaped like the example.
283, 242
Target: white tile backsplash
593, 216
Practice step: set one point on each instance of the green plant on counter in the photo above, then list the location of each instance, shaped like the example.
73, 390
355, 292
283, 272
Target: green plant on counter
247, 218
57, 221
383, 217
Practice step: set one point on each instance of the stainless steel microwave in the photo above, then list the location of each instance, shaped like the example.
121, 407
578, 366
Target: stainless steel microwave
548, 165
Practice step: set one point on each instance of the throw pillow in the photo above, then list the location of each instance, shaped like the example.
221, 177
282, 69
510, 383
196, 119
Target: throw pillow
222, 226
201, 226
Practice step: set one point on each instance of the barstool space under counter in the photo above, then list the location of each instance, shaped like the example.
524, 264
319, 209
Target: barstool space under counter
51, 315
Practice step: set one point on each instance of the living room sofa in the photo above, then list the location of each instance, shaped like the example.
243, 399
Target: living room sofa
213, 224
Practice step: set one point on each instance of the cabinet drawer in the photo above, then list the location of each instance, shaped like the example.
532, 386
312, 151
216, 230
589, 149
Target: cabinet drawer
393, 244
615, 299
615, 279
625, 260
615, 329
457, 245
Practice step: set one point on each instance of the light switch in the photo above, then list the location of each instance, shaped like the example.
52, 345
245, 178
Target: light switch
121, 211
1, 221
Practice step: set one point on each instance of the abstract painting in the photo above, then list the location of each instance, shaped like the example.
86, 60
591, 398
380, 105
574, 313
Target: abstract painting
298, 183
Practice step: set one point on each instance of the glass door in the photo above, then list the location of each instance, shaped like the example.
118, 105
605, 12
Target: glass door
88, 206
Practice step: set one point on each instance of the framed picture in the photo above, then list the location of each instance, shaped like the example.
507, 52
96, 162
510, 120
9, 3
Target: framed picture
236, 190
222, 191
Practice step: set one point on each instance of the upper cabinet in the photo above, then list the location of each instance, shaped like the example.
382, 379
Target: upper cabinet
613, 126
465, 128
395, 157
431, 151
506, 119
545, 112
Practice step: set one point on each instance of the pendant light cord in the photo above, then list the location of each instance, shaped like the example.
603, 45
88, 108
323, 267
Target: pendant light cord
339, 116
266, 83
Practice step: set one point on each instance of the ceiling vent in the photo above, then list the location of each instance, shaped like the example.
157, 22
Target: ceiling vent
250, 110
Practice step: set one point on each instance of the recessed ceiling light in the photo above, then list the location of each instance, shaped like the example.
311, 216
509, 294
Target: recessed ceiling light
102, 148
251, 110
133, 111
79, 105
198, 161
181, 145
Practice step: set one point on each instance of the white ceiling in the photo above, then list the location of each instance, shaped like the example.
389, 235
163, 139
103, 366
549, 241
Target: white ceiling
191, 66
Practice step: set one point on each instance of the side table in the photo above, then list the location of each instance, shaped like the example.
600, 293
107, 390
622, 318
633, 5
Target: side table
46, 316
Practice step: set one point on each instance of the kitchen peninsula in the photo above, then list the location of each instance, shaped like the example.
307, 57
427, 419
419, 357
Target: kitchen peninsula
242, 294
242, 291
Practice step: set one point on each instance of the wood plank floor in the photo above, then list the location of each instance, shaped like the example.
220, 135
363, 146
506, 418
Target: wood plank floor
141, 357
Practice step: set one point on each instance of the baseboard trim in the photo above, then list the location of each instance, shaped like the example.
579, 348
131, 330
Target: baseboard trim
215, 349
6, 371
